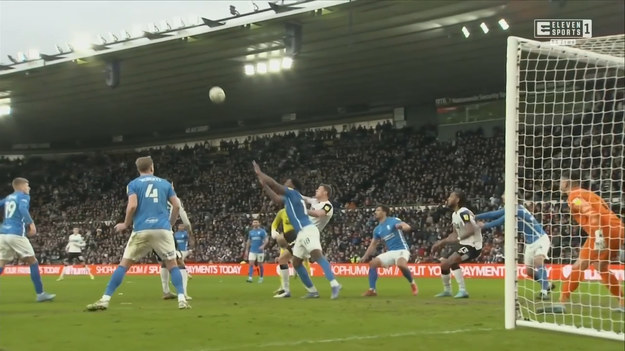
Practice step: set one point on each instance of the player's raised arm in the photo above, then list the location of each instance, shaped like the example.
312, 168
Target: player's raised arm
277, 199
490, 215
267, 180
496, 223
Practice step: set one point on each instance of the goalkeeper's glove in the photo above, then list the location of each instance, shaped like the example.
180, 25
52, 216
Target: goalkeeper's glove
274, 234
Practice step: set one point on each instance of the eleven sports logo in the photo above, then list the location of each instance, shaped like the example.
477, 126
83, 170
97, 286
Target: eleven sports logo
562, 31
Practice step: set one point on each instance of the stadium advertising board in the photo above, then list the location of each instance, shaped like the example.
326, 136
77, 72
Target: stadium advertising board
490, 271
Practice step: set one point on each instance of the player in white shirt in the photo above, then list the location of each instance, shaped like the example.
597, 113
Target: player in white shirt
74, 248
467, 238
320, 213
180, 257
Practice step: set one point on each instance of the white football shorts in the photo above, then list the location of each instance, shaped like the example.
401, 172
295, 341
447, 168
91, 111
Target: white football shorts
11, 245
142, 242
258, 257
308, 240
538, 247
390, 257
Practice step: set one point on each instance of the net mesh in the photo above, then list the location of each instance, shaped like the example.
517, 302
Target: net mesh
570, 119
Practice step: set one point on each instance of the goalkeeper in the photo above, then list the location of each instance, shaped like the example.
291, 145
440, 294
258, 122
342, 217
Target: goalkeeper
285, 240
537, 244
605, 237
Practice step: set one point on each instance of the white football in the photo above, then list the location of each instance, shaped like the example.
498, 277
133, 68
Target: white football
217, 95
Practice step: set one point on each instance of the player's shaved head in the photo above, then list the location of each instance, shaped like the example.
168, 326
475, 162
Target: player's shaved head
21, 184
18, 182
144, 164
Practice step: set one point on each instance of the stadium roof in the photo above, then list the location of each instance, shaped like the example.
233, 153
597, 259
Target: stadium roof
361, 55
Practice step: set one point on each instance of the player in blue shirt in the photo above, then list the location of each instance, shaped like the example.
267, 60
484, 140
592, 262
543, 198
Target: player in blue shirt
307, 242
255, 250
151, 220
390, 230
181, 236
537, 244
13, 230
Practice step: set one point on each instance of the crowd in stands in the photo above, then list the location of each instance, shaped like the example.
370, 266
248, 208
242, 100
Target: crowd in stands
410, 170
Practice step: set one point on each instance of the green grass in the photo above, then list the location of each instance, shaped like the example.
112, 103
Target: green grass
229, 314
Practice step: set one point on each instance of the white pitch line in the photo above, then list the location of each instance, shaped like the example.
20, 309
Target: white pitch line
348, 338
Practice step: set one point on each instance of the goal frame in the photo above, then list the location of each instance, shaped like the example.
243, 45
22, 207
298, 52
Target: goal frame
512, 314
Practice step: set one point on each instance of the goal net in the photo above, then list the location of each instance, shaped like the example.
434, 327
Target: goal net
564, 119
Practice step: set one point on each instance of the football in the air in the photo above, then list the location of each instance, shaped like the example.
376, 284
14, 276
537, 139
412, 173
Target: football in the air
217, 95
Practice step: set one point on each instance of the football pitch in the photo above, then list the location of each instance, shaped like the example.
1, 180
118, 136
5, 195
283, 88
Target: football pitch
229, 314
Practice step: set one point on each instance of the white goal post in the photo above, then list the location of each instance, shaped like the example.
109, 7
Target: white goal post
564, 113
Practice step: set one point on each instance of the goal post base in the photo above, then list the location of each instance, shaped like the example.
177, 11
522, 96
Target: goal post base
572, 330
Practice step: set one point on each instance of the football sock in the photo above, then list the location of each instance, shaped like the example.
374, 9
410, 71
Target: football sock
165, 280
459, 279
303, 275
407, 273
261, 267
89, 270
36, 277
185, 279
116, 280
284, 275
250, 271
176, 279
446, 279
373, 277
541, 275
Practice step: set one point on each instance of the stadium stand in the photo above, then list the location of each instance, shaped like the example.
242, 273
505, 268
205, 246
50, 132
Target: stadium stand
409, 169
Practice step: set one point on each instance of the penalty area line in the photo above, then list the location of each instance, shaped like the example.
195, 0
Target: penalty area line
343, 339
